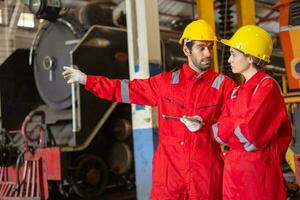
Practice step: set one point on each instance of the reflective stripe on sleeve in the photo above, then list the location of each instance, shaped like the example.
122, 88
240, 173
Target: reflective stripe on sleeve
125, 91
215, 131
247, 145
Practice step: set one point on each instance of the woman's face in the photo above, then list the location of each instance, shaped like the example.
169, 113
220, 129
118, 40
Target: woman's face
238, 61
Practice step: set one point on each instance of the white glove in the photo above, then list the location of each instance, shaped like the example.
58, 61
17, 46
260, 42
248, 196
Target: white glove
74, 75
193, 123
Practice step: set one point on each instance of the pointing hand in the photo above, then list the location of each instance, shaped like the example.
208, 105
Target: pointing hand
74, 75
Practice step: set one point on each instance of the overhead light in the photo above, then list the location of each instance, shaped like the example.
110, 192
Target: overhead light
45, 9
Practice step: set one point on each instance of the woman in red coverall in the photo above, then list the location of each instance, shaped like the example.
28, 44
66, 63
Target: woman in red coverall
187, 161
255, 123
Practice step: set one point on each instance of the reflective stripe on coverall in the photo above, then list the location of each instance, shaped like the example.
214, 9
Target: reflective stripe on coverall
184, 163
256, 126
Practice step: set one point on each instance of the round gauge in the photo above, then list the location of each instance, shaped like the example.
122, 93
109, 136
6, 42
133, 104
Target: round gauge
35, 6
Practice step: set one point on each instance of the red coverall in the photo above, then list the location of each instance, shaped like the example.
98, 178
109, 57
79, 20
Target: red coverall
256, 127
184, 163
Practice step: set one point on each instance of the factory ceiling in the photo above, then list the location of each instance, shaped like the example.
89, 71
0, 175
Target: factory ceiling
174, 10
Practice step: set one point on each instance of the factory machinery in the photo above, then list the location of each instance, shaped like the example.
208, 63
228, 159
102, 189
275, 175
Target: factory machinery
57, 137
289, 33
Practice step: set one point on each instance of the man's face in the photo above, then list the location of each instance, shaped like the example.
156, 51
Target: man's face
200, 56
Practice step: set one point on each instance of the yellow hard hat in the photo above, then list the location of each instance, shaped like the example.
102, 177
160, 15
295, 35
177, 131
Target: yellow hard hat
253, 40
198, 30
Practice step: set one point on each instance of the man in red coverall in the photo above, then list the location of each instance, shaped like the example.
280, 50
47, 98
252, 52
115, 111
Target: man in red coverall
255, 123
186, 163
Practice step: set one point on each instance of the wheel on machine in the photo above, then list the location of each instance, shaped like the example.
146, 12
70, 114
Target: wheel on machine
90, 176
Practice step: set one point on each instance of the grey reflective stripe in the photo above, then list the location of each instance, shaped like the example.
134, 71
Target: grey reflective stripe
234, 93
277, 86
218, 81
125, 91
264, 78
248, 146
267, 77
175, 77
215, 131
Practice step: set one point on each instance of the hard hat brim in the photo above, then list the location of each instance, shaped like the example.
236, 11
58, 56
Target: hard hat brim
226, 42
212, 40
232, 45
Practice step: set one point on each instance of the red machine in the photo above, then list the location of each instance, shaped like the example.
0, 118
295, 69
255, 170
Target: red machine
31, 179
289, 33
35, 165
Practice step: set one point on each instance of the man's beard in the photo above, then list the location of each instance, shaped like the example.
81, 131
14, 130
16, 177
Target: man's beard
203, 65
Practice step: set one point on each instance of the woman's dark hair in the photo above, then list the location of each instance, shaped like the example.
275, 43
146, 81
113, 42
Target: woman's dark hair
258, 63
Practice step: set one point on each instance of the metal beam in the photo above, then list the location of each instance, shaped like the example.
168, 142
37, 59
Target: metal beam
13, 23
185, 1
144, 57
245, 10
174, 16
265, 3
266, 17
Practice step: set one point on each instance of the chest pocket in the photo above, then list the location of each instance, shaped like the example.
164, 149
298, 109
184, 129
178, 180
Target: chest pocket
173, 95
211, 105
173, 102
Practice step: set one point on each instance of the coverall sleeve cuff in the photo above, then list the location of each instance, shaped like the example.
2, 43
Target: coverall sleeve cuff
248, 146
215, 132
89, 82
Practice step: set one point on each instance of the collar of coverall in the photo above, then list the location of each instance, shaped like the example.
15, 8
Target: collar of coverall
190, 73
254, 80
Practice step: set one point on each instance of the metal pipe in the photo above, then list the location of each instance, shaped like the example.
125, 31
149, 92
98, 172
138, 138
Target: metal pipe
73, 3
284, 84
68, 24
275, 68
78, 106
293, 99
18, 184
73, 94
35, 41
292, 94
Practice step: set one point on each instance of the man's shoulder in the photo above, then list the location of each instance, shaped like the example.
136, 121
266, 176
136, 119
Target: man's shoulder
222, 80
225, 77
170, 72
221, 76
